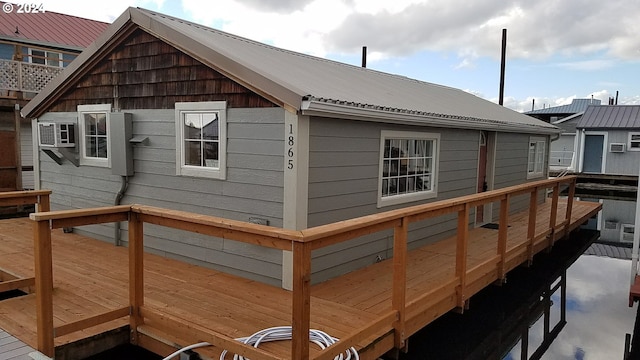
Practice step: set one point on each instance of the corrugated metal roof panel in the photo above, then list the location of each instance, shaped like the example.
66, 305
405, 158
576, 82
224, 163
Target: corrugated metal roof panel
51, 28
617, 251
611, 117
324, 80
294, 78
576, 106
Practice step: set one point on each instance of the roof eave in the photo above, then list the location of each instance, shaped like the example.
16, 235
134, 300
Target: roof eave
325, 109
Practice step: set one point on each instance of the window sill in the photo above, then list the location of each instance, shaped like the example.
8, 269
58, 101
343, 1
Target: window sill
405, 198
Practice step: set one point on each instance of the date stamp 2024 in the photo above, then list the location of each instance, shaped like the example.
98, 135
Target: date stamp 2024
23, 8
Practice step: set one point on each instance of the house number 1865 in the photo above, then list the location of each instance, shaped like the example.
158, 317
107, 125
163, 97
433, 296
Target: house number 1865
290, 143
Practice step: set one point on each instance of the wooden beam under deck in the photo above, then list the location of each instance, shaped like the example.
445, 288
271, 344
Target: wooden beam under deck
92, 278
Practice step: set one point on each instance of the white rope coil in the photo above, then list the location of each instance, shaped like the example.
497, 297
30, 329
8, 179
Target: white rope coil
279, 333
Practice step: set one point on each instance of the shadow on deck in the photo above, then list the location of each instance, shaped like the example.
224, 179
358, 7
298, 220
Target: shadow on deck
79, 287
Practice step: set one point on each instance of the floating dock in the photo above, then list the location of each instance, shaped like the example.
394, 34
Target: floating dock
78, 288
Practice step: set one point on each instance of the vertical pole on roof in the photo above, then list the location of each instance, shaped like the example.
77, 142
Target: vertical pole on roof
502, 66
364, 56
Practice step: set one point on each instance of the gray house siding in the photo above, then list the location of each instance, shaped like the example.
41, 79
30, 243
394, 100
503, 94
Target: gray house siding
624, 163
562, 151
512, 152
253, 188
343, 183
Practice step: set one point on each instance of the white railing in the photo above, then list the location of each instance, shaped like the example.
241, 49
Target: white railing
26, 77
561, 159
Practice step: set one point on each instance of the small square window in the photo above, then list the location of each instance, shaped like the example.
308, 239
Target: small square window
95, 145
634, 141
201, 139
626, 233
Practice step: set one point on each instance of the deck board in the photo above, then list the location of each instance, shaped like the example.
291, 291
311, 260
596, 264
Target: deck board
91, 277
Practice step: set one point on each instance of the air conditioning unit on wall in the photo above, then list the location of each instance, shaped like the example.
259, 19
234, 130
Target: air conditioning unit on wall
56, 135
616, 147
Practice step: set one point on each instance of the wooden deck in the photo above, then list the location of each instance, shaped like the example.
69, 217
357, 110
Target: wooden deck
177, 304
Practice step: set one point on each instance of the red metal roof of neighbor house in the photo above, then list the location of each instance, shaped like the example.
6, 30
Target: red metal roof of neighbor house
611, 116
48, 28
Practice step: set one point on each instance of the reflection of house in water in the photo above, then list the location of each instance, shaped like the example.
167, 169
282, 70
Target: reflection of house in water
504, 322
616, 223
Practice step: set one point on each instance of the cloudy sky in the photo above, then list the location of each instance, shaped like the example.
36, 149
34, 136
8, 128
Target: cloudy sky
598, 316
556, 50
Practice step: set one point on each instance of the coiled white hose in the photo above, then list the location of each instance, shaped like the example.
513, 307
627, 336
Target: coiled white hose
318, 337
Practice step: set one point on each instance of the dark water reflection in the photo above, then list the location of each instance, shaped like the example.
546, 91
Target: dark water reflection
518, 319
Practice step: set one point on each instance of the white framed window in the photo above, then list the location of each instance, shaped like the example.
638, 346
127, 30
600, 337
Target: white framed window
44, 57
536, 161
95, 145
634, 141
408, 167
201, 136
626, 233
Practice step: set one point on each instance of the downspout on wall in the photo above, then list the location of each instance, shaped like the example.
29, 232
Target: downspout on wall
124, 185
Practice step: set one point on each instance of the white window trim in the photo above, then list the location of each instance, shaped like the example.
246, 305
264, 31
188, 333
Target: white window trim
622, 232
537, 174
629, 142
195, 171
46, 57
84, 159
409, 197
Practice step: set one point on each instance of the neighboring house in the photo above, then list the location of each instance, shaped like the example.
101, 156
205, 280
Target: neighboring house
34, 47
554, 113
174, 114
616, 220
563, 149
608, 140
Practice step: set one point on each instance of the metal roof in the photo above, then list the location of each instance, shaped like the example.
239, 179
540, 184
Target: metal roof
612, 250
611, 116
576, 106
312, 85
48, 28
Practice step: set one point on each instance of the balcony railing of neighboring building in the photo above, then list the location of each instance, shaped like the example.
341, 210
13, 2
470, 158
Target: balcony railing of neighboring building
561, 159
25, 77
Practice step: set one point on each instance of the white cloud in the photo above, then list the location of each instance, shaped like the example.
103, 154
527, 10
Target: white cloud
588, 65
466, 63
588, 35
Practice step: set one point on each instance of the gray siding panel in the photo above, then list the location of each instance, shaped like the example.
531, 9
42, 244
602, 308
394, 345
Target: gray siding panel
343, 183
625, 163
253, 188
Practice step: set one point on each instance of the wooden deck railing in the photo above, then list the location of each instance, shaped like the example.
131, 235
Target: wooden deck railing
40, 198
302, 243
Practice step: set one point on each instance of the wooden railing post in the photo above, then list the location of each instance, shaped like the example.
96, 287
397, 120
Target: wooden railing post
44, 287
398, 301
136, 274
570, 196
502, 236
301, 307
43, 203
462, 246
531, 229
554, 214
